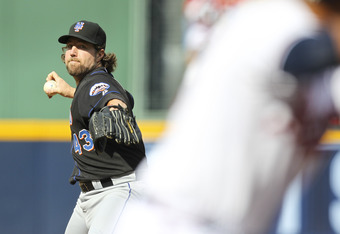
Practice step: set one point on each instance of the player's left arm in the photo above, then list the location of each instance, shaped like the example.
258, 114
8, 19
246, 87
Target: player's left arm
114, 121
116, 102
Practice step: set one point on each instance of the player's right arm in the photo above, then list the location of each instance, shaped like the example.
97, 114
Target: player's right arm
63, 88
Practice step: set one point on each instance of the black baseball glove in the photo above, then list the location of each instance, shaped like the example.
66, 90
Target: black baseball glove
116, 124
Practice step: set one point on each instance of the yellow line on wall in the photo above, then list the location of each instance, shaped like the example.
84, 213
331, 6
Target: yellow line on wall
34, 130
332, 136
59, 130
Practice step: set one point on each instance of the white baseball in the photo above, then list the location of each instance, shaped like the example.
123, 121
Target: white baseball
50, 85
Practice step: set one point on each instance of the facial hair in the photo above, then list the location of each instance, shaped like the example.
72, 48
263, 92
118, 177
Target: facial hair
78, 69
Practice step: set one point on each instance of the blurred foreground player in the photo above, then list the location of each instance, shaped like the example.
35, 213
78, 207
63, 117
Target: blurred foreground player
107, 143
263, 91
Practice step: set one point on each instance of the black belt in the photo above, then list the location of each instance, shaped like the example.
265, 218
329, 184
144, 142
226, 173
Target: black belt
88, 186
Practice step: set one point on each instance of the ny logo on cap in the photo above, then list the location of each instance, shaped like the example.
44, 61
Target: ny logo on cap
78, 26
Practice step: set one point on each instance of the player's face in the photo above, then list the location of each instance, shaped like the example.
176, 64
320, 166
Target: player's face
80, 57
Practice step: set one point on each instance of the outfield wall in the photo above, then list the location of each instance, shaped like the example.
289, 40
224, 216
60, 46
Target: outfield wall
37, 198
35, 166
29, 50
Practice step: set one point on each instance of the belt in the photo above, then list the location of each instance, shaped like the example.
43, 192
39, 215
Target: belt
104, 183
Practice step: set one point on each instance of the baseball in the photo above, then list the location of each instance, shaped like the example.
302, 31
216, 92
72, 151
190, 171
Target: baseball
50, 85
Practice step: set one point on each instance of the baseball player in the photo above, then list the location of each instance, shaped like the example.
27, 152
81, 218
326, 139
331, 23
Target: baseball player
107, 143
264, 89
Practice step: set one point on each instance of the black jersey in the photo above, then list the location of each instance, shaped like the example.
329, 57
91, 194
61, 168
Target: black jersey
92, 93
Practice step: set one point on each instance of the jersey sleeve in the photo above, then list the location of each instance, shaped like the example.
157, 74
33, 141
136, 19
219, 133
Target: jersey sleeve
96, 93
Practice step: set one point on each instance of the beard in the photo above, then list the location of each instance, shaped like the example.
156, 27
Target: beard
78, 69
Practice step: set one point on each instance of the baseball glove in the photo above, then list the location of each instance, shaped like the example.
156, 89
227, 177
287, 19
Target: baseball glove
116, 124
